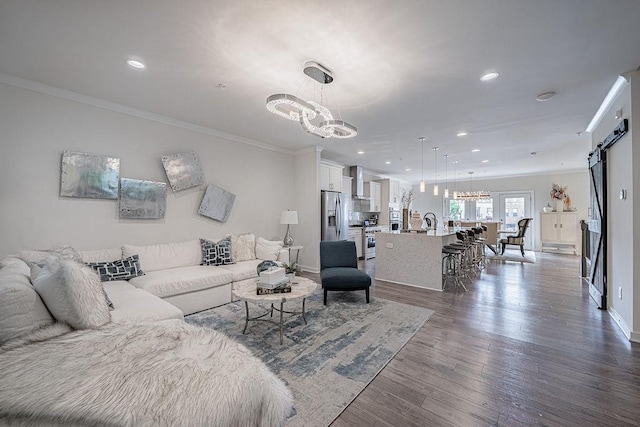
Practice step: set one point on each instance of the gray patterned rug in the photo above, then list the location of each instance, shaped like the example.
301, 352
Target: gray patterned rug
328, 362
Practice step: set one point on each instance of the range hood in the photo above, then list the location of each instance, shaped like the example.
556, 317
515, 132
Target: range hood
357, 184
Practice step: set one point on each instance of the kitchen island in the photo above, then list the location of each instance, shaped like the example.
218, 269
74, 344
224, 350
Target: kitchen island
412, 258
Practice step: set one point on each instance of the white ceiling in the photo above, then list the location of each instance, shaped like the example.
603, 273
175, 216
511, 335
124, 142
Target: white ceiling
403, 69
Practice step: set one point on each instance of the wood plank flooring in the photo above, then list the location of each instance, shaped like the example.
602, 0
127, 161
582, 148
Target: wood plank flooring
524, 346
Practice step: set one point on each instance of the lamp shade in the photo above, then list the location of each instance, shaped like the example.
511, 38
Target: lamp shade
289, 217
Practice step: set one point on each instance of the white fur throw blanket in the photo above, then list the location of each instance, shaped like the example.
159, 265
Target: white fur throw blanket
145, 374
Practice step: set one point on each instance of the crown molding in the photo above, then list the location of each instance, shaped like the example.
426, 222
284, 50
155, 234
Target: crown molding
136, 112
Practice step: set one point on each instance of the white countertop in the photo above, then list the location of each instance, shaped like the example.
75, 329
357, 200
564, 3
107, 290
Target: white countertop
431, 233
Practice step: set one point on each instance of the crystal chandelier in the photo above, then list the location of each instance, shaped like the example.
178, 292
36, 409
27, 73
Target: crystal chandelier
293, 108
471, 195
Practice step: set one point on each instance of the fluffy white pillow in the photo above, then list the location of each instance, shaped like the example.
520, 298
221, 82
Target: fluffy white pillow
73, 293
243, 247
268, 249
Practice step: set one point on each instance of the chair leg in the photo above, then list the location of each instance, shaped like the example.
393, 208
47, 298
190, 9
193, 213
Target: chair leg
522, 249
325, 297
367, 293
503, 248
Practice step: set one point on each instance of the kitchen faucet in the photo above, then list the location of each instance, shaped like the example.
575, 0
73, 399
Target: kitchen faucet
428, 219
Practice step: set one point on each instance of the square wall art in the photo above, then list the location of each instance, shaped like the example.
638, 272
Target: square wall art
89, 176
216, 203
142, 199
183, 170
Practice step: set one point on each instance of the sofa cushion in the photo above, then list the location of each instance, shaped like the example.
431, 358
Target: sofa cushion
268, 250
243, 247
216, 253
182, 279
101, 255
165, 255
21, 309
73, 293
243, 270
122, 269
133, 304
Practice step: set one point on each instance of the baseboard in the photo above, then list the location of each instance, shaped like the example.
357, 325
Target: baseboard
626, 330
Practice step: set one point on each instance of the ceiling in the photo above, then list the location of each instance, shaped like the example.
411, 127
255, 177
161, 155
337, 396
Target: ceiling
403, 70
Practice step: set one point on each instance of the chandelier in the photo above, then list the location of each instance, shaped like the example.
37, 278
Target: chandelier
293, 108
471, 195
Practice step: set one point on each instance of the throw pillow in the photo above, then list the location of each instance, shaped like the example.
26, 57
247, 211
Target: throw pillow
73, 293
268, 249
243, 247
39, 256
216, 253
122, 269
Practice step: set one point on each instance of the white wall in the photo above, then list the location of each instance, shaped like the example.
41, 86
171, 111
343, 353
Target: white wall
36, 128
307, 190
577, 187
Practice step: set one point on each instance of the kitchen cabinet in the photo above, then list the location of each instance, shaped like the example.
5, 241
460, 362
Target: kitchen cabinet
355, 235
330, 177
372, 190
389, 195
559, 232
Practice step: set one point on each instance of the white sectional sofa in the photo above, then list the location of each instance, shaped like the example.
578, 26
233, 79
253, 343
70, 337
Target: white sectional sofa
141, 365
173, 272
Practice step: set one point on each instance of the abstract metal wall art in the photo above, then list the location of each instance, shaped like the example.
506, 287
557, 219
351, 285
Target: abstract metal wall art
89, 176
183, 170
142, 199
216, 203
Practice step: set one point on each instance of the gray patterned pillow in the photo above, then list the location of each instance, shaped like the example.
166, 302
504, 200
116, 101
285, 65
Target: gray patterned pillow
122, 269
216, 253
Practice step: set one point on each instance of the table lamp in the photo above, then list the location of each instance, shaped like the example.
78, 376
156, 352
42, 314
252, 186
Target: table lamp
288, 218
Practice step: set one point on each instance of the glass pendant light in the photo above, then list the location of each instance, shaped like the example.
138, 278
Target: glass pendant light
435, 169
422, 184
446, 186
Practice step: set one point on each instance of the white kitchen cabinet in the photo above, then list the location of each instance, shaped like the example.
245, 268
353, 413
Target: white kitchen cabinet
355, 235
559, 232
330, 177
373, 190
389, 194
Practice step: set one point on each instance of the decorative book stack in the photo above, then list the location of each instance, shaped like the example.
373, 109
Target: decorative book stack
273, 281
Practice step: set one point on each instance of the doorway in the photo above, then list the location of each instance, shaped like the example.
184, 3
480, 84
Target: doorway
512, 207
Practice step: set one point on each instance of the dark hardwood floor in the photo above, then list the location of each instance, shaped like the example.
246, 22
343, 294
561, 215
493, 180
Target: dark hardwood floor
524, 346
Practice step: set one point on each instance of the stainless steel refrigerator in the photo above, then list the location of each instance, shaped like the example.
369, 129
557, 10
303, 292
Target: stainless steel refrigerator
334, 208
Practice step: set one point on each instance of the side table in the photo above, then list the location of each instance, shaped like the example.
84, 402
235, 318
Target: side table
294, 248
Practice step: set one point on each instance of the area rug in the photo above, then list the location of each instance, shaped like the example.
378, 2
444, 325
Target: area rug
329, 361
514, 256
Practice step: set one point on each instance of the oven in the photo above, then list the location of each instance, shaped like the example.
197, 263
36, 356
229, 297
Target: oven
394, 215
394, 226
369, 243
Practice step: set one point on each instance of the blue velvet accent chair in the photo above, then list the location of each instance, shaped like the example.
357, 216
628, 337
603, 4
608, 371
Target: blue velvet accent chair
339, 268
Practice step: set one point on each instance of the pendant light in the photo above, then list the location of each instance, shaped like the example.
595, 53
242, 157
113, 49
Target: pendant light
455, 179
422, 184
446, 183
435, 169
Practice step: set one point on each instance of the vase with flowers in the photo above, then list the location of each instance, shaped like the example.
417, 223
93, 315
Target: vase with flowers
560, 197
405, 200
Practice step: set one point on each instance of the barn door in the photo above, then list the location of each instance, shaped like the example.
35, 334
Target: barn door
598, 228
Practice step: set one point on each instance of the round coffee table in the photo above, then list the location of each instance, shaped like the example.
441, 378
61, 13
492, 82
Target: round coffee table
301, 288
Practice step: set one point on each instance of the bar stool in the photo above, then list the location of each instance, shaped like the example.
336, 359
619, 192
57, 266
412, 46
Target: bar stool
451, 261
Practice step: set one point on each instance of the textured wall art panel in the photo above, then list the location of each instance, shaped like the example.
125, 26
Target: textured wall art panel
217, 203
89, 176
183, 170
142, 199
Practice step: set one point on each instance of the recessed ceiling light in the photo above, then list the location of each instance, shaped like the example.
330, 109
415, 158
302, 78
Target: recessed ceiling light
463, 133
408, 169
387, 162
485, 161
545, 96
135, 63
489, 76
360, 152
475, 150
